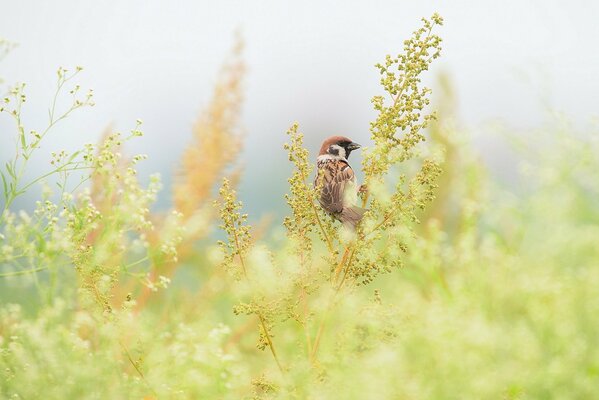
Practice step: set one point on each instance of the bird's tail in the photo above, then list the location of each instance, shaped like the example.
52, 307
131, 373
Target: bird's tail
350, 216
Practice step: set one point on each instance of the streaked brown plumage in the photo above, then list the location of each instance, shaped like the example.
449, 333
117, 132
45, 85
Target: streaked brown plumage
339, 189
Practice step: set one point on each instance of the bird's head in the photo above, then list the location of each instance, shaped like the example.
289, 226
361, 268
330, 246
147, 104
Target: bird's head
337, 147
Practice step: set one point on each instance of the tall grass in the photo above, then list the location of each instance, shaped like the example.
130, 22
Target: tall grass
452, 286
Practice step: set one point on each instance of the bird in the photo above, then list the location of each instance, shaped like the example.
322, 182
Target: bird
337, 181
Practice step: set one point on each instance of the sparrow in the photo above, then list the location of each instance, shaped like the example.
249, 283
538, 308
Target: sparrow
337, 181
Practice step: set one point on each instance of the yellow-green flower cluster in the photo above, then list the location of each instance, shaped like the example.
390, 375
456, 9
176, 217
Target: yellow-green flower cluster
90, 231
305, 214
401, 118
238, 232
237, 248
397, 130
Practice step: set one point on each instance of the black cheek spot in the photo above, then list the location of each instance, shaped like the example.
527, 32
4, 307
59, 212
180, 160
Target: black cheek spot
334, 151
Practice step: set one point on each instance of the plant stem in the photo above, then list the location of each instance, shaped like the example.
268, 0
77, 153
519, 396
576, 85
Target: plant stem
340, 265
332, 301
245, 274
304, 301
324, 233
346, 270
270, 344
25, 272
322, 324
141, 374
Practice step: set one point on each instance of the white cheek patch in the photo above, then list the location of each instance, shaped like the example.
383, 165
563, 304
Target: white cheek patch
337, 150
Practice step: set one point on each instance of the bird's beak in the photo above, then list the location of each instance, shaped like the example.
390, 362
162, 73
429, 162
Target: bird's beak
353, 146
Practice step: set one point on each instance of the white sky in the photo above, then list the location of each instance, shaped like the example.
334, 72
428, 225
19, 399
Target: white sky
309, 61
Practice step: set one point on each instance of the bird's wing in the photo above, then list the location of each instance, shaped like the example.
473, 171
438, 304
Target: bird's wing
337, 177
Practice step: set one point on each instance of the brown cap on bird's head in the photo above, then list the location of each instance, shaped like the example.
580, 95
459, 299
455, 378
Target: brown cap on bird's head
342, 141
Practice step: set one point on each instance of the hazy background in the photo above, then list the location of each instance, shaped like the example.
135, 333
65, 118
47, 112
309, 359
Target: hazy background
310, 62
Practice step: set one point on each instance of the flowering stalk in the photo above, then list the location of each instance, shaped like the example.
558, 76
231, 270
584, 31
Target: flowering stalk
395, 132
303, 197
237, 245
11, 105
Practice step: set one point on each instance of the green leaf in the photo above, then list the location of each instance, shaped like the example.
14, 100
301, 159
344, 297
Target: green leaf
72, 157
10, 170
4, 185
41, 242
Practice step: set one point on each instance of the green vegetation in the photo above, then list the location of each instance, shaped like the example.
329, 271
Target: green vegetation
452, 286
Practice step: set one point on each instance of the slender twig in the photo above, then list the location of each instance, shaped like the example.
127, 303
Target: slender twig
304, 301
324, 233
322, 325
60, 169
269, 341
24, 272
139, 371
340, 265
245, 274
134, 263
332, 303
346, 269
318, 336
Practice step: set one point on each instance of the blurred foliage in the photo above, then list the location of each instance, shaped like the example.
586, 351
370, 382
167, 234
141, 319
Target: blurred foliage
486, 293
